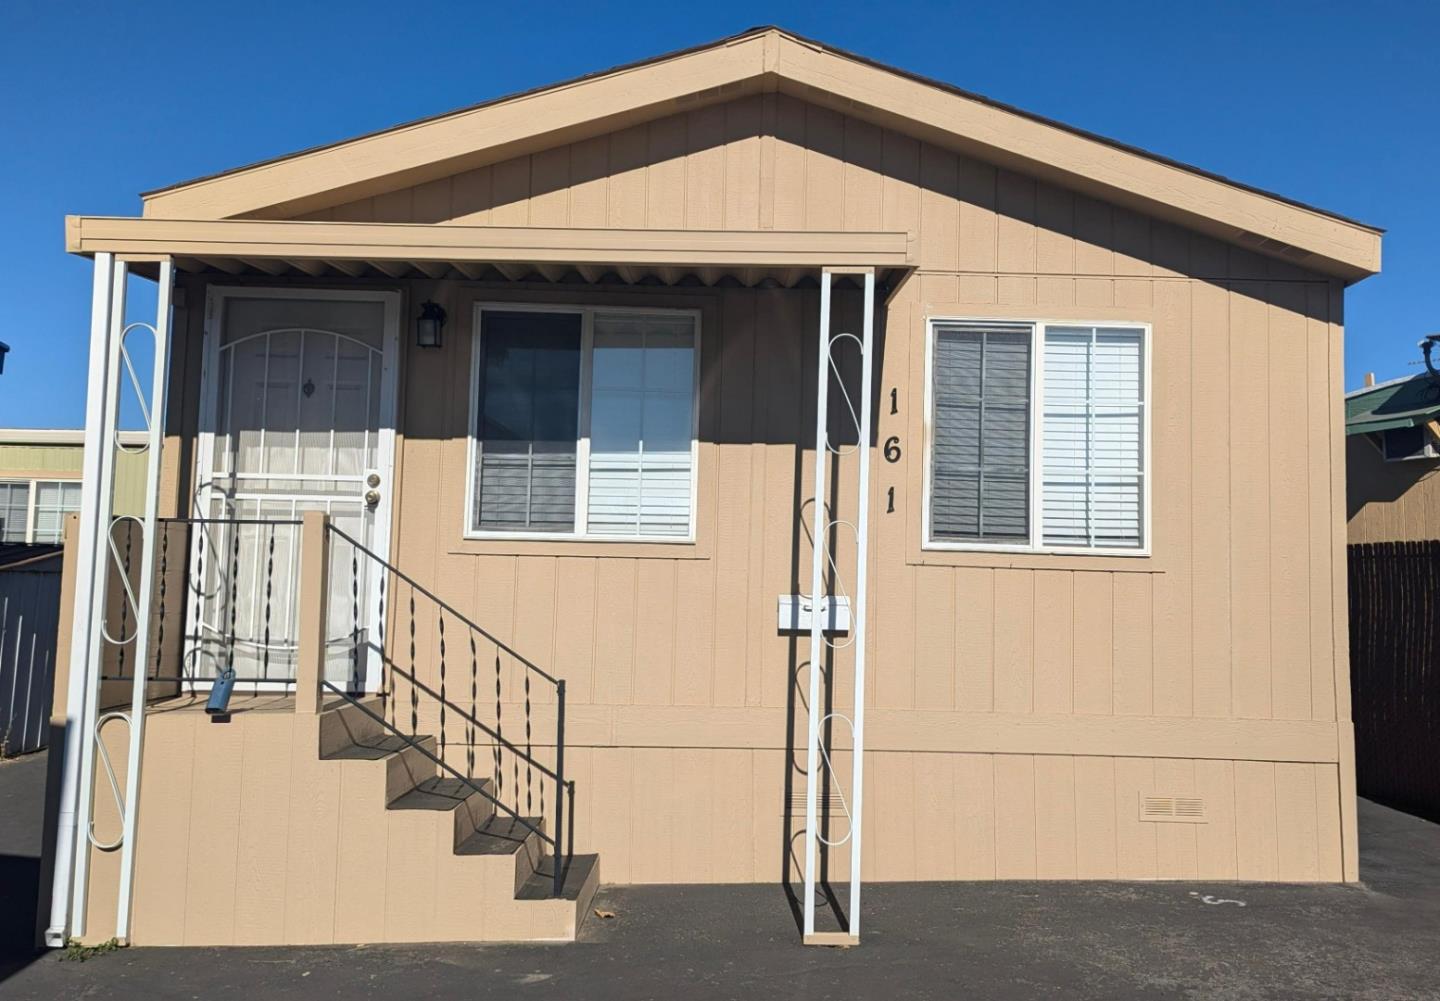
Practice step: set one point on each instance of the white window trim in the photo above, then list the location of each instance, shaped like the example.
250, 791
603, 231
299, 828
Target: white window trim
582, 440
1037, 409
29, 486
32, 500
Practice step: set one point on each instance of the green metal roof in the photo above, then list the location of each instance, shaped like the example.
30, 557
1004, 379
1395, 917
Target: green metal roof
1401, 403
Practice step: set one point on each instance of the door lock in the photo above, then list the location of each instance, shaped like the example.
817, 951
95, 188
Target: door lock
373, 480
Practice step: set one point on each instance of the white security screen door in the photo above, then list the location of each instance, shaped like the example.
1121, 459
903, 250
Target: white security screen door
297, 414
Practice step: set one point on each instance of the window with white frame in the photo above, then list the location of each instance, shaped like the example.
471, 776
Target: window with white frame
53, 501
583, 423
14, 511
1038, 437
44, 520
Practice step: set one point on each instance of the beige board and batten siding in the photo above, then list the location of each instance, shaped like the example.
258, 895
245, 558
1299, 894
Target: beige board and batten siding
1390, 501
1214, 667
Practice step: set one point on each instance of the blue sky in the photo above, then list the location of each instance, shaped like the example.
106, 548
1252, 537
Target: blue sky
1336, 104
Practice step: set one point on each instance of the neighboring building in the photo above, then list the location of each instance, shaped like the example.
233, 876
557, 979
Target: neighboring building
40, 482
1392, 455
39, 485
1393, 494
551, 367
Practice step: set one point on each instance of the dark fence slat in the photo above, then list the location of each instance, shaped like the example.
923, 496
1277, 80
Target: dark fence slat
1394, 676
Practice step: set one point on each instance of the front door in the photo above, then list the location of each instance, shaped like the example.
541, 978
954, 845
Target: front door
297, 414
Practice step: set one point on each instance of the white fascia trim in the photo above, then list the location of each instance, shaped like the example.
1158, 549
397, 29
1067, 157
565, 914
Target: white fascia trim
60, 436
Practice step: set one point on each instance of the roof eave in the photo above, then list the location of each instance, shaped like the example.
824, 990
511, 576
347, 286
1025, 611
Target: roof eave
766, 59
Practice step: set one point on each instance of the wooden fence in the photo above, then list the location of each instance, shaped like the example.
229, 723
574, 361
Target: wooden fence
1395, 673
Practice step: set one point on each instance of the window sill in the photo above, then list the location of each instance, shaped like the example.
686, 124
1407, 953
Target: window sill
658, 549
1030, 559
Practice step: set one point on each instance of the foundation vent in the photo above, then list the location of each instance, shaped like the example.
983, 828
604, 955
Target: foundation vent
1172, 809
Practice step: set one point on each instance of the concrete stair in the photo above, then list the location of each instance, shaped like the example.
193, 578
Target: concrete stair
456, 869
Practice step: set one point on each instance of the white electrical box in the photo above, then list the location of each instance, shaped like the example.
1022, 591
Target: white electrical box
796, 613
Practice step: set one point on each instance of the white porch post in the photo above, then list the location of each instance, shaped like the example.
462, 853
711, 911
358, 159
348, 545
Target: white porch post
108, 358
70, 847
819, 532
862, 580
821, 604
153, 412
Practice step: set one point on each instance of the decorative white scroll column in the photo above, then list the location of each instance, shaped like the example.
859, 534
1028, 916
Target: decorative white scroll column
97, 555
824, 525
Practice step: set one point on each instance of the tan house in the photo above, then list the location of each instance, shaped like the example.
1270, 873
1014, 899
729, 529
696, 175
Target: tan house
488, 471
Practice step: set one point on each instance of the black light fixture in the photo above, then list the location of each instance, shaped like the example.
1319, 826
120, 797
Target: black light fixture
429, 325
4, 350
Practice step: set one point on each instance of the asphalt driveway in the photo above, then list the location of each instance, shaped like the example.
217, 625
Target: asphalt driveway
945, 941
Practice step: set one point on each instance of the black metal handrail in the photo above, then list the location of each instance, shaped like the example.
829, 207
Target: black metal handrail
563, 841
466, 717
470, 782
455, 613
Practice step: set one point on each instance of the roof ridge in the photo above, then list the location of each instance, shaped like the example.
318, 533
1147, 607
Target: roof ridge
803, 40
1382, 385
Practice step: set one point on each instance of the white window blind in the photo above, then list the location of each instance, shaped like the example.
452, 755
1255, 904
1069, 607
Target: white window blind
641, 419
1093, 431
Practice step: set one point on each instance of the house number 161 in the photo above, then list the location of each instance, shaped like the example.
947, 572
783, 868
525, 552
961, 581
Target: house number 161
892, 449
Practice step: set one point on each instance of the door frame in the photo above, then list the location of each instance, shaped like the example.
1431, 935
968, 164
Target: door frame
208, 420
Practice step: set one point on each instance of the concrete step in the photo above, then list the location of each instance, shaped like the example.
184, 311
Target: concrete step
442, 801
456, 869
581, 877
343, 723
503, 836
541, 917
405, 762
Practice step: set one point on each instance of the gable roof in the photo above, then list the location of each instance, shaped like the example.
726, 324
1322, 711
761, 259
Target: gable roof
769, 59
1400, 403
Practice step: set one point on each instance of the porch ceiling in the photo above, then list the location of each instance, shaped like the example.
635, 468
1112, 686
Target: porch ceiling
502, 253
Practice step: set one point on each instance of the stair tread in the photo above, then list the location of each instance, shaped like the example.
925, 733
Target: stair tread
541, 883
376, 748
437, 794
498, 836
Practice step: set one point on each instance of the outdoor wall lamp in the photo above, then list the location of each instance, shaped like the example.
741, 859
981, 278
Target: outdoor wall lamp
429, 325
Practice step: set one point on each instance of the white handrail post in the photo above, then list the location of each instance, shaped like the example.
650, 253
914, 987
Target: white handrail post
155, 434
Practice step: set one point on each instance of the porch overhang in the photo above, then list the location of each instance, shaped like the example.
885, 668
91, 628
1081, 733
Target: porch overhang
767, 258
